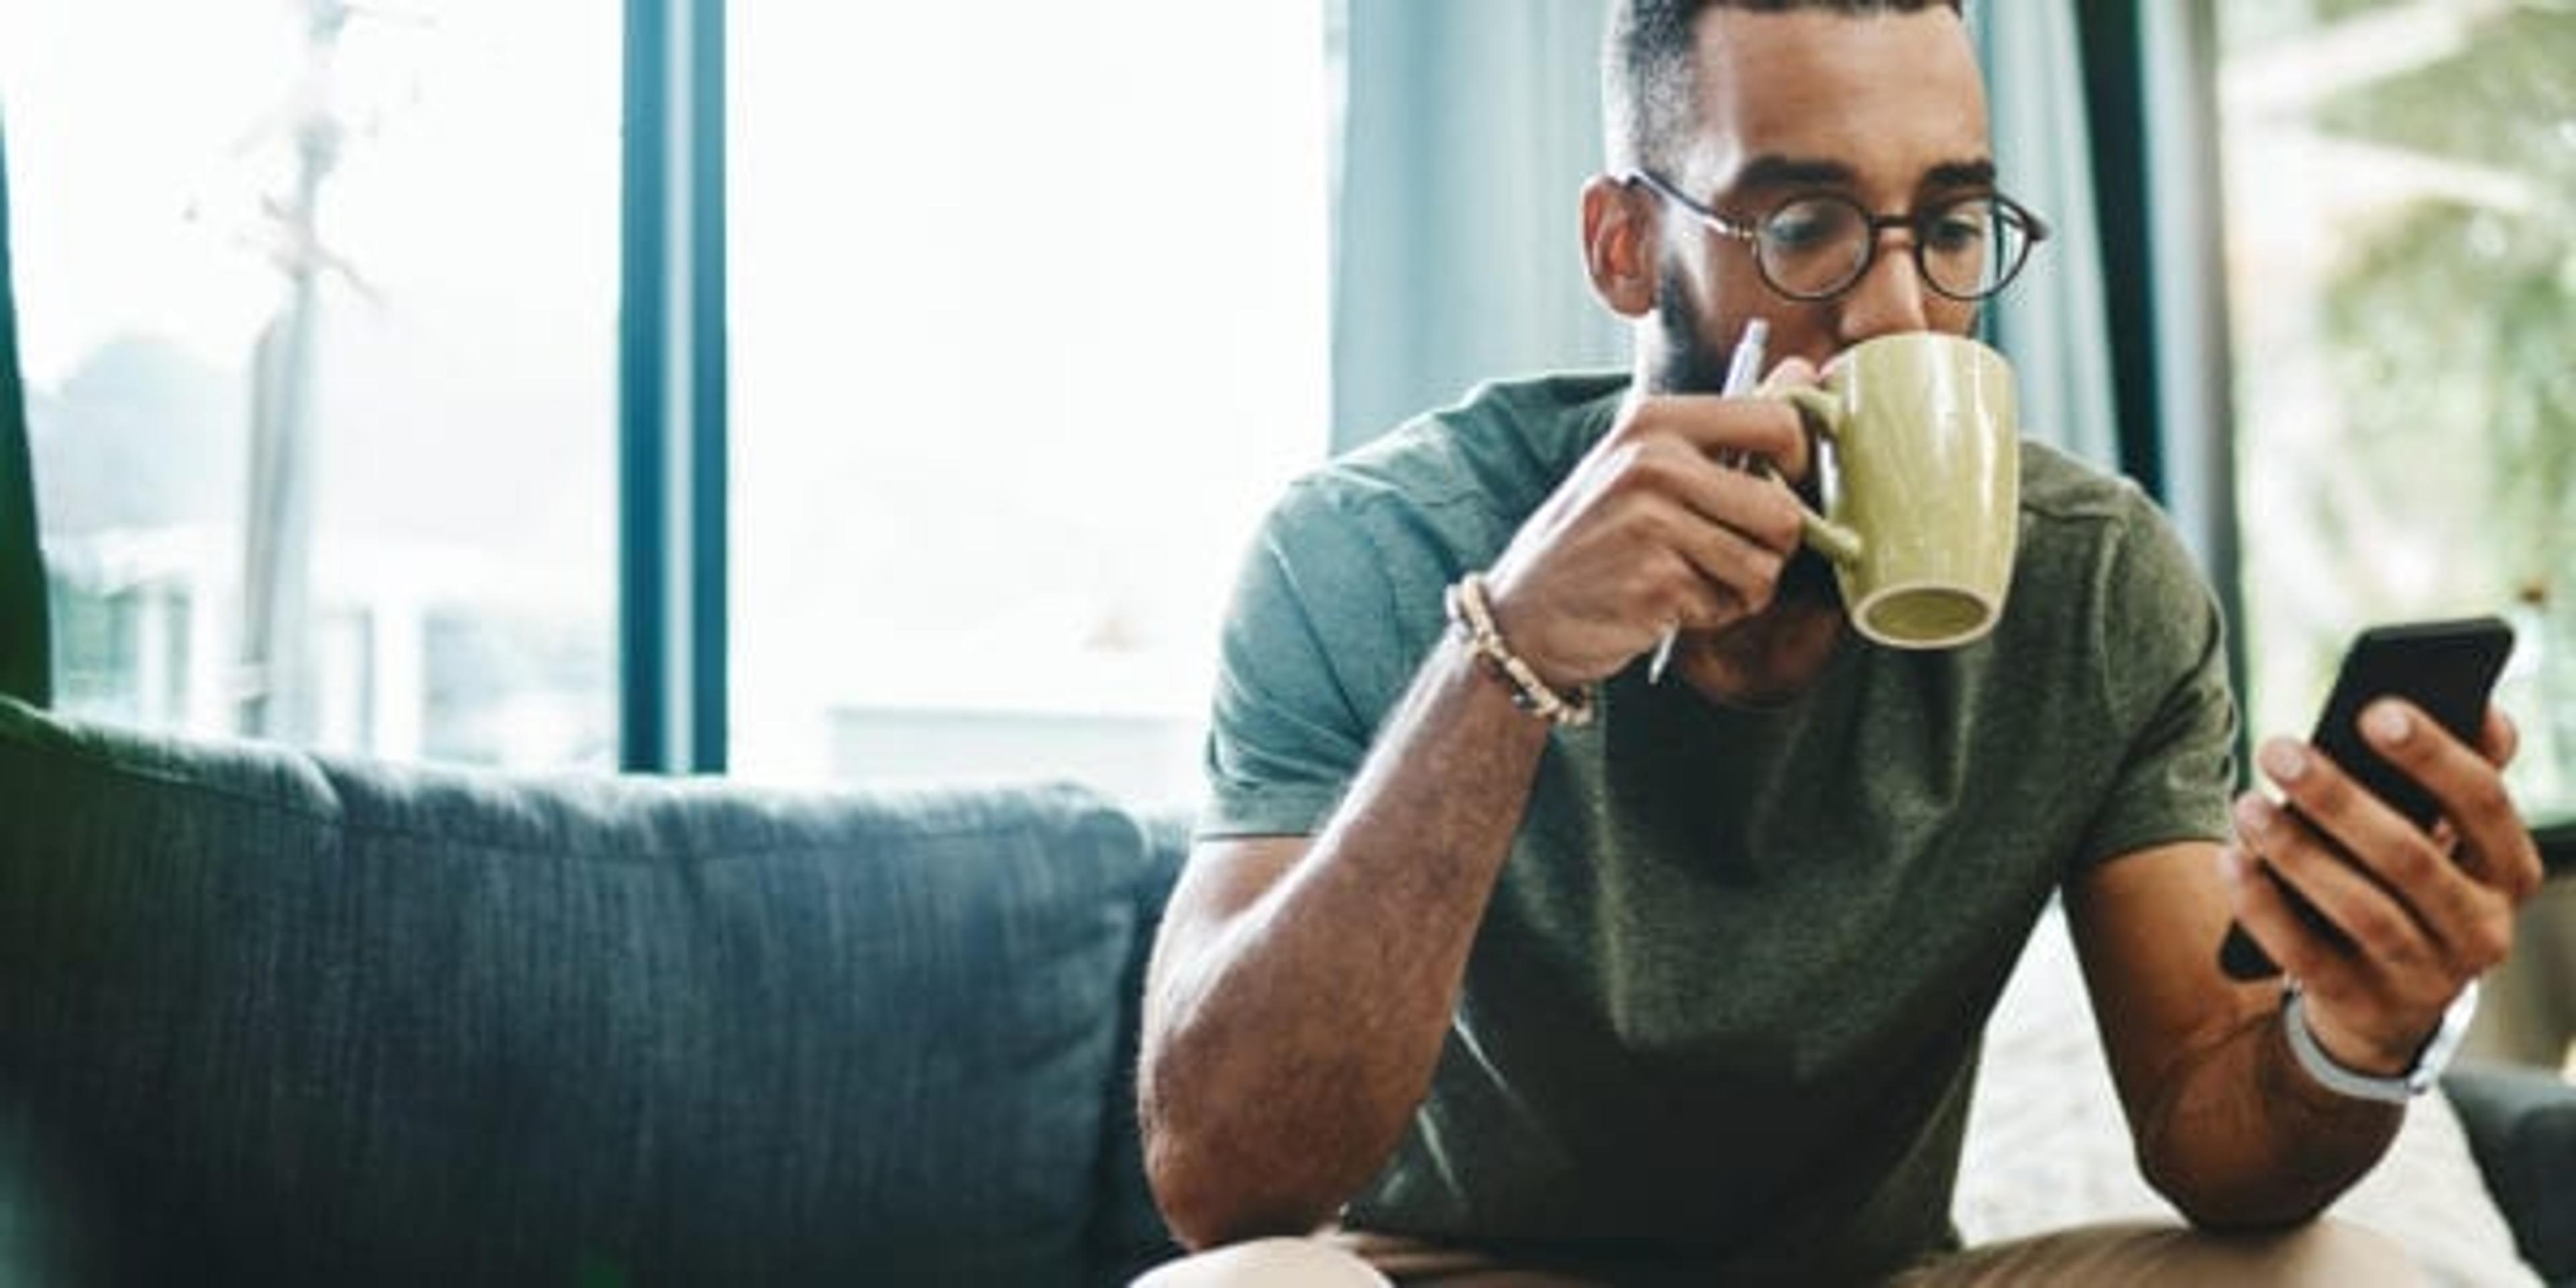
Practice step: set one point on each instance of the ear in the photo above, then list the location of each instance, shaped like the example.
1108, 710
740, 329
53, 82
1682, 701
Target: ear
1619, 245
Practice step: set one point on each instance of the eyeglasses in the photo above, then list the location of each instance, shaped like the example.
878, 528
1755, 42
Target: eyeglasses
1815, 245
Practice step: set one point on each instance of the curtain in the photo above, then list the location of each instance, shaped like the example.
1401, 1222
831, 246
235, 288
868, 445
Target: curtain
2051, 321
26, 669
1467, 131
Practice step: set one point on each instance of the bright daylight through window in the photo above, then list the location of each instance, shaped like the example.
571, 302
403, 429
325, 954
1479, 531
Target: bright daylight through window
318, 311
1025, 333
2401, 198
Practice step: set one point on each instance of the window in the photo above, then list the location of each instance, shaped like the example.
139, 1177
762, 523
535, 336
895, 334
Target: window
2401, 249
1025, 333
318, 314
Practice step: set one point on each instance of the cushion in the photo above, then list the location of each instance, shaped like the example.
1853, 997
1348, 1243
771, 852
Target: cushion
294, 1019
2522, 1123
2047, 1146
1130, 1235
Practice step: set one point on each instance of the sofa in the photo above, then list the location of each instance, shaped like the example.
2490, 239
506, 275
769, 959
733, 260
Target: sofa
282, 1018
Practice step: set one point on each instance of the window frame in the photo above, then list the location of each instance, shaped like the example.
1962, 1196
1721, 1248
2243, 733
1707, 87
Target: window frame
672, 392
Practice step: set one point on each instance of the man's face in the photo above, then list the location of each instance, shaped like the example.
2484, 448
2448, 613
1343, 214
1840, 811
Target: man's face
1886, 109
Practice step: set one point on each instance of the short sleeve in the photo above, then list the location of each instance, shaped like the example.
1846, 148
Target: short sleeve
1330, 618
2163, 659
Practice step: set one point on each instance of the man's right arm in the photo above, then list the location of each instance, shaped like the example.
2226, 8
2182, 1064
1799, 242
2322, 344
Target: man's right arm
1302, 987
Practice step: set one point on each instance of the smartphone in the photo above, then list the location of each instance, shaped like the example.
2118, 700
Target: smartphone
2446, 668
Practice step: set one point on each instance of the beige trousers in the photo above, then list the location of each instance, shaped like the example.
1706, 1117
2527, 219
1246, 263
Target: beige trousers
2323, 1254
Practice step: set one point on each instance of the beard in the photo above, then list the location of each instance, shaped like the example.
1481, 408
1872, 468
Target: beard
1691, 364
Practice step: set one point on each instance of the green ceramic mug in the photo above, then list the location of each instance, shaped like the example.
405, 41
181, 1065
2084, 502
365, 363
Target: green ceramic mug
1921, 473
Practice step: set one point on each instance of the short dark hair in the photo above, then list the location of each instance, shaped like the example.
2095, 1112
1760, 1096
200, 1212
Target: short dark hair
1649, 92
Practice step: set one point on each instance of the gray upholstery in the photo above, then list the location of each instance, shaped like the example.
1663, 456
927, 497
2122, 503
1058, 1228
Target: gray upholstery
274, 1018
2522, 1127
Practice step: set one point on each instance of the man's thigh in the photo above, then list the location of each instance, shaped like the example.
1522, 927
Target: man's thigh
1267, 1263
1334, 1258
2320, 1253
2324, 1254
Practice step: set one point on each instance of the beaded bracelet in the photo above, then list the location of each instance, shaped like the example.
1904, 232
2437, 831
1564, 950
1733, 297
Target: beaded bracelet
1474, 617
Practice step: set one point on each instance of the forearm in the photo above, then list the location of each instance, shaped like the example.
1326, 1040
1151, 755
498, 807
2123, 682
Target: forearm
1286, 1054
2243, 1137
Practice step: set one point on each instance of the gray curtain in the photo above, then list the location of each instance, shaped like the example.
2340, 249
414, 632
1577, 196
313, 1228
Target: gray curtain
2052, 321
1468, 129
26, 669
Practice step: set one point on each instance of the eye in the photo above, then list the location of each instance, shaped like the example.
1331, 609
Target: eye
1962, 227
1802, 226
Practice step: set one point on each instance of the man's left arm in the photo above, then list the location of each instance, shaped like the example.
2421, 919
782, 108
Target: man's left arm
2228, 1124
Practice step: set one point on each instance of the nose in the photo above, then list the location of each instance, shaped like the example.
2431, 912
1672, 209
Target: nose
1889, 298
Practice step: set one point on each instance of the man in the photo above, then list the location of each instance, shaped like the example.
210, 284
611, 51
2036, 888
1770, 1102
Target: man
1693, 994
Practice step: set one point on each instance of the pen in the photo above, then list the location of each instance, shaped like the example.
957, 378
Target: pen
1743, 368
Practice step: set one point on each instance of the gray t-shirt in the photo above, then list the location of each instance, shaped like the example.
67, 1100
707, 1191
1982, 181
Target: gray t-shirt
1723, 1010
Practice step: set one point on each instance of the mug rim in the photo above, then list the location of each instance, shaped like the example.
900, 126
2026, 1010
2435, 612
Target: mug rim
1986, 352
1859, 616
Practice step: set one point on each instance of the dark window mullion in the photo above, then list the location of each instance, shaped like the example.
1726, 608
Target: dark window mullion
709, 361
672, 391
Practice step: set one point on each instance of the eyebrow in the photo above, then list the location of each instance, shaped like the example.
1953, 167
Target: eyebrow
1776, 170
1979, 173
1773, 170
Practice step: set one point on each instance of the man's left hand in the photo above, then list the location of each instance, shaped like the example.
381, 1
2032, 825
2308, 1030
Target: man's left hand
2421, 914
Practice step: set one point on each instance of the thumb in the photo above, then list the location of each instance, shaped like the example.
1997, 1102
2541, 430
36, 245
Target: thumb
1791, 373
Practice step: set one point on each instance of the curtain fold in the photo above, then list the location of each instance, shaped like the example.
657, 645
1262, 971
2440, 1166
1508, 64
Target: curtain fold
2052, 322
1468, 129
26, 667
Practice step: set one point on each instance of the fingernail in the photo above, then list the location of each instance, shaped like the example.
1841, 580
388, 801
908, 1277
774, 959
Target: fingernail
2231, 864
2253, 813
2390, 723
2284, 761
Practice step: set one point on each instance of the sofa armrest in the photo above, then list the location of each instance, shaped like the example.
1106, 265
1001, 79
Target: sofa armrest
2521, 1125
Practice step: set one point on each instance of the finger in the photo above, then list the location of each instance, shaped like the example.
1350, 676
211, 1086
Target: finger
2274, 925
2383, 932
1684, 598
1790, 373
1739, 572
2407, 864
1727, 428
1686, 568
2496, 848
1709, 495
2500, 738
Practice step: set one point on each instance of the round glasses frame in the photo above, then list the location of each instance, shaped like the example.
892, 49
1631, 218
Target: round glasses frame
2032, 228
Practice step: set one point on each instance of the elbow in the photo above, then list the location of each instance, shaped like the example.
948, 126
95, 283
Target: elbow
1212, 1180
2231, 1214
2230, 1205
1210, 1206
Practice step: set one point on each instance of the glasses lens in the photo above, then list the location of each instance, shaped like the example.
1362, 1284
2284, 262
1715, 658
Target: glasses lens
1814, 246
1971, 247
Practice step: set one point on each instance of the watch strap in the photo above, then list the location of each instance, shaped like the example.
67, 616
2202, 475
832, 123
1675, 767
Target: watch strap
2430, 1060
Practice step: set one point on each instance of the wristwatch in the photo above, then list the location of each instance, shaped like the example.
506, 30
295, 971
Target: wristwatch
2434, 1056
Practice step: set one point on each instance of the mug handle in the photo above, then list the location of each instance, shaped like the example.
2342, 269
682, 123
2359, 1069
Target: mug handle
1824, 412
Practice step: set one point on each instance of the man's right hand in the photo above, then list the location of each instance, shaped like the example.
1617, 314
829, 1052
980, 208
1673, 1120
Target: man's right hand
1656, 528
